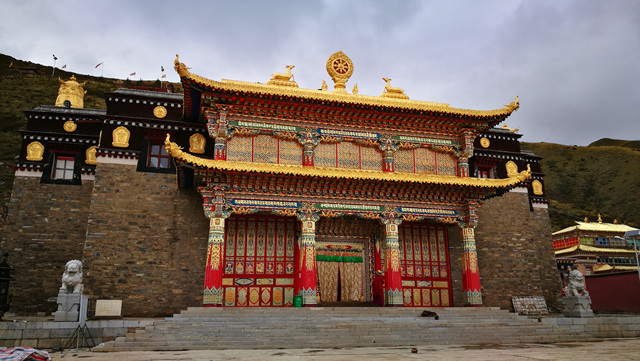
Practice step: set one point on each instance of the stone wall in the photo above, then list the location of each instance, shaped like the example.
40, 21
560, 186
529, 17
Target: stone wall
47, 335
146, 242
455, 252
515, 252
45, 228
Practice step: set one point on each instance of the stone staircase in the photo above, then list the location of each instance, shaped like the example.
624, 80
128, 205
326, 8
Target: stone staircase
330, 327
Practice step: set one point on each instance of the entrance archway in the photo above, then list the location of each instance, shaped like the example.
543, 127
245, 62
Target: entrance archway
343, 270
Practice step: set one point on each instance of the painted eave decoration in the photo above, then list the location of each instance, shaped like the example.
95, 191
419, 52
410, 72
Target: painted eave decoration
321, 172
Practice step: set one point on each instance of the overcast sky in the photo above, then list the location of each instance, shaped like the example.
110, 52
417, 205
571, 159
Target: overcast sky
574, 64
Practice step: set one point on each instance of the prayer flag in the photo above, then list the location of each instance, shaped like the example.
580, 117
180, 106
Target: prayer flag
132, 74
99, 64
162, 68
164, 76
64, 66
10, 64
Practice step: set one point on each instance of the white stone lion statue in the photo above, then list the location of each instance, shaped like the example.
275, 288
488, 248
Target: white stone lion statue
576, 286
72, 277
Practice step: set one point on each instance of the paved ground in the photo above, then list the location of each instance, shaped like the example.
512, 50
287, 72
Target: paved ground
611, 349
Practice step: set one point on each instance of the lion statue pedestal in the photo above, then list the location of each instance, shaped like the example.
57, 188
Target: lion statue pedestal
70, 296
576, 300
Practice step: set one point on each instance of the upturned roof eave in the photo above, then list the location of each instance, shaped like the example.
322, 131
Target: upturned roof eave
490, 117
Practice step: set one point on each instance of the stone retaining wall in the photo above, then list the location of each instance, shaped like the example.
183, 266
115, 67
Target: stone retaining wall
46, 334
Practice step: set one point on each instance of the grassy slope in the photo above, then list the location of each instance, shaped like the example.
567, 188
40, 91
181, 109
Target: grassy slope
20, 92
584, 181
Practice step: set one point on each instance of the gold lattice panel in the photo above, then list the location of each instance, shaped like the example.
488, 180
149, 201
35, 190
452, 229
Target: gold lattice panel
425, 161
447, 164
325, 155
265, 149
403, 161
371, 158
239, 149
290, 152
348, 155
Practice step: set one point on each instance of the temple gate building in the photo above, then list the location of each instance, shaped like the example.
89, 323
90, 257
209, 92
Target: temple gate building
240, 194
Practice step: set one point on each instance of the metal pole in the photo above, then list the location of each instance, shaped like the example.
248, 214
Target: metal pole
635, 250
53, 71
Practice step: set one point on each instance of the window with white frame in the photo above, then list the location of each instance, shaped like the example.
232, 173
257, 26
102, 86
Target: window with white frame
63, 168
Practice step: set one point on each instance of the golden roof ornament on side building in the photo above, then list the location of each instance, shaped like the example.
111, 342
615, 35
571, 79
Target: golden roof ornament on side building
509, 129
70, 93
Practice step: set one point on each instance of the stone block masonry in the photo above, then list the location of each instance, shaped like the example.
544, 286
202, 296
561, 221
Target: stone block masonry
145, 242
515, 252
45, 228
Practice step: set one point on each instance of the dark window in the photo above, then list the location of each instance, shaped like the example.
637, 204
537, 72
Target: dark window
158, 157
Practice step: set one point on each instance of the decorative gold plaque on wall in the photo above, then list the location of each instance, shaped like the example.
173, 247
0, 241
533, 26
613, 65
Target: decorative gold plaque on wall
160, 112
121, 137
90, 155
196, 143
70, 126
35, 150
512, 168
484, 142
536, 185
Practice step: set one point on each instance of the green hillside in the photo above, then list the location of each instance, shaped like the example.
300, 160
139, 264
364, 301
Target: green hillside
584, 181
25, 85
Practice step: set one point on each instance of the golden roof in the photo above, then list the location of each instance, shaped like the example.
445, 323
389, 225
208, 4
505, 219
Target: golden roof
298, 170
608, 267
585, 248
597, 227
355, 99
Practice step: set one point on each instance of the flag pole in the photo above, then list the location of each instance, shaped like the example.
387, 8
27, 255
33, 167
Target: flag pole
102, 73
53, 71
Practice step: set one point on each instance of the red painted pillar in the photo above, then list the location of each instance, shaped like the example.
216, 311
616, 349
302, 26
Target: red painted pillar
309, 141
377, 255
387, 162
213, 292
467, 152
219, 131
388, 145
470, 275
308, 272
393, 276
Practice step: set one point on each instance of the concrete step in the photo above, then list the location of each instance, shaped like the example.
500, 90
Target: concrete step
251, 328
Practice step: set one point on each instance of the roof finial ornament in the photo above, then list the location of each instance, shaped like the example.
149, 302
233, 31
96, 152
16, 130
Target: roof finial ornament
586, 219
599, 218
283, 79
180, 68
392, 92
340, 69
70, 93
509, 129
513, 105
324, 85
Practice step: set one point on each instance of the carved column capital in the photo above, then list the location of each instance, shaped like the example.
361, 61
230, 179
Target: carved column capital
214, 201
307, 212
469, 216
